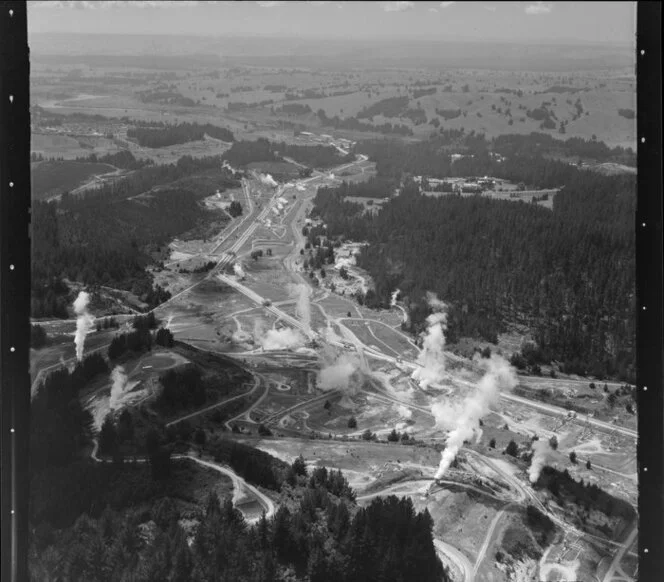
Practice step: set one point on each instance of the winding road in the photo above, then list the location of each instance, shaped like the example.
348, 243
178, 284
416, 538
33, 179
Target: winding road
448, 553
239, 485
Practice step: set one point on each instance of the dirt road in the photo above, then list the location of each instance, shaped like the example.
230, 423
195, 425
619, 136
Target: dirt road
447, 553
239, 485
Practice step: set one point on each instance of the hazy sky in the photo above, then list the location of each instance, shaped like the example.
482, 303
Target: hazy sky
606, 22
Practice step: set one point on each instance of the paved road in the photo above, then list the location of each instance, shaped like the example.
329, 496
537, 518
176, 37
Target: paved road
256, 298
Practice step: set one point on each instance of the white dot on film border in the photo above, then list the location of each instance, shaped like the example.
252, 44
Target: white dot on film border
11, 184
643, 140
645, 469
11, 267
645, 388
644, 308
645, 551
643, 224
643, 52
12, 512
12, 349
11, 430
11, 99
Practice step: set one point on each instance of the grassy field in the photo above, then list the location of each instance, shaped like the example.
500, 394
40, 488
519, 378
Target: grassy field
69, 147
53, 178
489, 101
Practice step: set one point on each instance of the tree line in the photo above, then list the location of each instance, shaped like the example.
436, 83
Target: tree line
123, 159
317, 534
569, 273
102, 237
159, 137
354, 124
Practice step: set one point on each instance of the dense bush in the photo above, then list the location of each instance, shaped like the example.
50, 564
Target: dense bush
100, 239
159, 137
494, 278
182, 388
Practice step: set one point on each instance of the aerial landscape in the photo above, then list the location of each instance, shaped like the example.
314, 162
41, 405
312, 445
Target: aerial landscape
350, 308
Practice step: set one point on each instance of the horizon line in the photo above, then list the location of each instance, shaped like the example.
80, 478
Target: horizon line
568, 42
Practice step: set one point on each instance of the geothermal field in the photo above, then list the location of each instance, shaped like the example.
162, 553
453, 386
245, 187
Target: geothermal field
347, 389
296, 302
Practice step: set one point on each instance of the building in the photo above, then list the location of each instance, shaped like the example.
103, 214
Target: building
468, 187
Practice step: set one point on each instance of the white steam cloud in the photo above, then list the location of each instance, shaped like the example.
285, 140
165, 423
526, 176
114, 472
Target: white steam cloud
84, 322
239, 272
541, 454
119, 379
465, 419
268, 180
432, 356
393, 301
281, 339
340, 374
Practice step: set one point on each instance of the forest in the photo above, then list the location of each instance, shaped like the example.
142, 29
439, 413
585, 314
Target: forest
123, 159
431, 157
354, 124
372, 188
318, 156
568, 273
563, 486
574, 147
159, 137
390, 107
317, 537
97, 522
100, 239
242, 153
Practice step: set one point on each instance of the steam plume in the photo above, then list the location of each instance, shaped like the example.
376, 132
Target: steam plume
119, 379
466, 420
339, 374
281, 339
541, 453
393, 301
84, 322
237, 268
432, 356
268, 180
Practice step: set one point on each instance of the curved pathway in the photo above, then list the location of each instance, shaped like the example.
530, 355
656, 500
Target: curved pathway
449, 553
